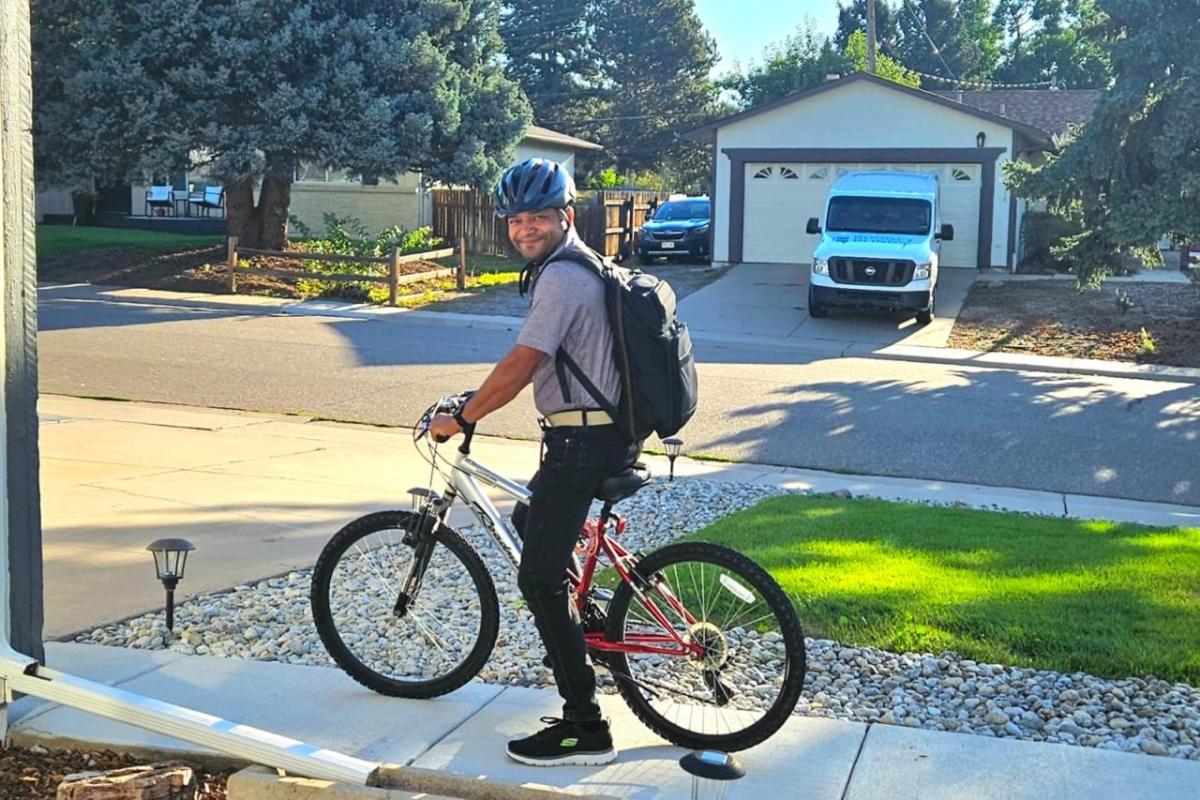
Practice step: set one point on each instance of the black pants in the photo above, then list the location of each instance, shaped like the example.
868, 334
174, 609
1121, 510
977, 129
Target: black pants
574, 463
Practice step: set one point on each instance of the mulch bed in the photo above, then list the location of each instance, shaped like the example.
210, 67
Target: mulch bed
31, 774
1053, 318
191, 270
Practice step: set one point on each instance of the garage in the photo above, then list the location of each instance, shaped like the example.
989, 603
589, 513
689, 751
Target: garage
780, 197
773, 164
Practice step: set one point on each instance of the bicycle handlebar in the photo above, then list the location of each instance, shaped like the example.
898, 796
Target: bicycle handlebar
449, 404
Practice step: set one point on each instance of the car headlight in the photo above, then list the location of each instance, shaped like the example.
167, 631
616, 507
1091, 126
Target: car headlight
820, 266
703, 229
921, 272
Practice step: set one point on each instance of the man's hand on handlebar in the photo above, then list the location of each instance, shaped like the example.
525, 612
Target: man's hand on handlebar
443, 426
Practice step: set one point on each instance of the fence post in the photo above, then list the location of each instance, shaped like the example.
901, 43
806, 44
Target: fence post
462, 263
231, 244
394, 276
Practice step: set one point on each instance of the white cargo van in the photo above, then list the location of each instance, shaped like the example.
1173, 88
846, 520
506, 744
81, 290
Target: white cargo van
879, 246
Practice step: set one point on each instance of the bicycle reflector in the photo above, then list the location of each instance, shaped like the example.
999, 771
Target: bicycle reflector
736, 589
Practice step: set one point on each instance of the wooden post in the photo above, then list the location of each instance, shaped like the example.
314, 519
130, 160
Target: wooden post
461, 277
394, 276
231, 260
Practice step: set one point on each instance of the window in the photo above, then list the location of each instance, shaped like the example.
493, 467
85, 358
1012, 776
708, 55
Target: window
961, 175
818, 173
764, 173
314, 173
788, 174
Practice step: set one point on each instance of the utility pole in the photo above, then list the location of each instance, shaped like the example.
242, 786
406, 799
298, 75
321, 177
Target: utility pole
871, 36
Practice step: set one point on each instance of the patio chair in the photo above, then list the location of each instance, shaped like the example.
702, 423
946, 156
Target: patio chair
213, 197
160, 197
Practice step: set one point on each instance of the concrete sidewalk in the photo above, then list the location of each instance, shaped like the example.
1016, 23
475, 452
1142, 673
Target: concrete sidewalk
260, 494
464, 733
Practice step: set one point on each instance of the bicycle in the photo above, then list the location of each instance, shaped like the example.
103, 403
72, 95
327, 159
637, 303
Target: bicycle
701, 642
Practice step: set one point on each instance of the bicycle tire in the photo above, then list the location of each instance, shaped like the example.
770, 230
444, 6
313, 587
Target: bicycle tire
775, 599
343, 656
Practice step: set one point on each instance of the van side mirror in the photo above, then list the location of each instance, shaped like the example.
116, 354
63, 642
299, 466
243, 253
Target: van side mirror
946, 234
814, 225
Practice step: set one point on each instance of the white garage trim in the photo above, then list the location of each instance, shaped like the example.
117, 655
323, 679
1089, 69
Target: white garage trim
984, 156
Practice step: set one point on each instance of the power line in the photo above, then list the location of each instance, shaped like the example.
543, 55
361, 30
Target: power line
929, 39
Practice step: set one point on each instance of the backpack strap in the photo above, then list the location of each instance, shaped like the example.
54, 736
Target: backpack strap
561, 358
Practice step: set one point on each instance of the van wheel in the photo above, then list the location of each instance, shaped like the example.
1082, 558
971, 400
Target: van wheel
925, 316
815, 309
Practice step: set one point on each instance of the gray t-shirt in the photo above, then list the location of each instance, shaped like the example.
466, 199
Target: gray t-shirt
568, 310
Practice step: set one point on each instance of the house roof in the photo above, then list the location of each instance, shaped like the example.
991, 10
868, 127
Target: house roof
1037, 133
1052, 110
547, 136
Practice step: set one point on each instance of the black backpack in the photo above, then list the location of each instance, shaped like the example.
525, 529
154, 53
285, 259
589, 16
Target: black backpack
653, 351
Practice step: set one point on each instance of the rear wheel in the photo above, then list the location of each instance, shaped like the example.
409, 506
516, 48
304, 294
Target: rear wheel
815, 309
744, 684
439, 640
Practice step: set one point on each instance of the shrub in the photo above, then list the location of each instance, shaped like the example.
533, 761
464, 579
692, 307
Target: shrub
349, 237
1041, 234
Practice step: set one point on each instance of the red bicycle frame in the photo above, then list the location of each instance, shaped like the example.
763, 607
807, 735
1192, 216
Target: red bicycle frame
595, 538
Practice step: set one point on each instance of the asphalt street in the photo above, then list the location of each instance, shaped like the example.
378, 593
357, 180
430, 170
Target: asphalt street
1068, 433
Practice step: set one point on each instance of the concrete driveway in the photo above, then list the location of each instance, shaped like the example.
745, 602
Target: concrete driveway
771, 301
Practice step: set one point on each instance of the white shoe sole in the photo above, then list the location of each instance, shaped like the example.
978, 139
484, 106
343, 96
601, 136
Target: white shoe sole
572, 760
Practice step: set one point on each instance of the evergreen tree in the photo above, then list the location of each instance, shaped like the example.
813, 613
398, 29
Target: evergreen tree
853, 17
551, 54
655, 59
127, 89
1051, 41
954, 40
1132, 174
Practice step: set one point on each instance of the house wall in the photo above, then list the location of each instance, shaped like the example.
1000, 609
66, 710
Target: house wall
376, 207
563, 155
861, 115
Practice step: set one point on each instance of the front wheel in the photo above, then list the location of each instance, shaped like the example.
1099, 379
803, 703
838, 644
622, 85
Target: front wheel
746, 678
815, 309
925, 315
422, 646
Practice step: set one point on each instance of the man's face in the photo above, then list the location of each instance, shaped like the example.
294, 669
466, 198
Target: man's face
535, 234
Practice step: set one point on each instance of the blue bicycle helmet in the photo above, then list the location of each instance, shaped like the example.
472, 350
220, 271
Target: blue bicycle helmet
533, 185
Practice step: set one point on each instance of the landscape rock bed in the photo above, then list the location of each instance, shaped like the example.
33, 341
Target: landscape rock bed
270, 620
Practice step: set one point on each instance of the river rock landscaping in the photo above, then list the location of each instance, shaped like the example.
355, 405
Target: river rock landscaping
270, 620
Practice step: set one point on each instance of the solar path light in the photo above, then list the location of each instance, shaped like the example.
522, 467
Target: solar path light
674, 445
711, 771
170, 559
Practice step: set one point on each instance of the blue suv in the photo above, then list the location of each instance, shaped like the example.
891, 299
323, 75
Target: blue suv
678, 229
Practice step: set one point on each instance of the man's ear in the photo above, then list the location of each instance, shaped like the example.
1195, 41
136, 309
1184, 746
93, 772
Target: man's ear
569, 212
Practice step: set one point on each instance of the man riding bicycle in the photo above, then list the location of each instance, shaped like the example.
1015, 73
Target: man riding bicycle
582, 445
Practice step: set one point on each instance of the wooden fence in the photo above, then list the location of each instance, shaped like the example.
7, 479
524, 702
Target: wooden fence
606, 220
394, 259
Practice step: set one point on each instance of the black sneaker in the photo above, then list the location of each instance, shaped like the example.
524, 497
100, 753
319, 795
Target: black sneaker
565, 743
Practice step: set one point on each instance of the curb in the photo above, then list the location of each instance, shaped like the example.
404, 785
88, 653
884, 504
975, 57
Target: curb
390, 782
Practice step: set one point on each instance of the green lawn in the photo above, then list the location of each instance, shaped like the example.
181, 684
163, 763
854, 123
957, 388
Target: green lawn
1110, 599
479, 264
54, 240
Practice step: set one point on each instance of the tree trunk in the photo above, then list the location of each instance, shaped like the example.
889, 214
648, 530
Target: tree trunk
274, 201
242, 219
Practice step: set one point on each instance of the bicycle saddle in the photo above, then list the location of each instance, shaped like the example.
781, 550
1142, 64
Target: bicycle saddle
624, 484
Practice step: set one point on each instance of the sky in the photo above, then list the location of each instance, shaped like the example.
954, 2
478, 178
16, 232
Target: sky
744, 28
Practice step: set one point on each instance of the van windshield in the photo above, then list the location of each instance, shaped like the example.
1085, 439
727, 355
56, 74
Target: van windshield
879, 215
